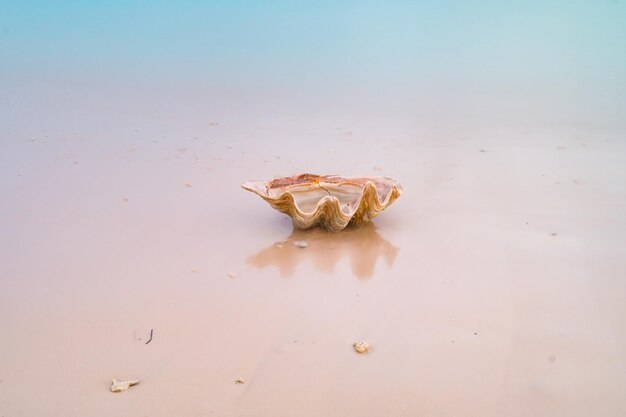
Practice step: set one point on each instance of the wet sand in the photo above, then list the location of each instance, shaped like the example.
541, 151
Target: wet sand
493, 287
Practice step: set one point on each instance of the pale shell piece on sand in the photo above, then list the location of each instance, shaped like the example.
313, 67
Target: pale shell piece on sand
119, 386
361, 347
331, 202
239, 381
232, 275
300, 244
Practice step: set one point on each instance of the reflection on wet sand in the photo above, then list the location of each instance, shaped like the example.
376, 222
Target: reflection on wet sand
363, 245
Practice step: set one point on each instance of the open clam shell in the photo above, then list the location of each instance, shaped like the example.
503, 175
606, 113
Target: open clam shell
331, 202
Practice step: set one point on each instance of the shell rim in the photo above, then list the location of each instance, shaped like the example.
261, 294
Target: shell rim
396, 188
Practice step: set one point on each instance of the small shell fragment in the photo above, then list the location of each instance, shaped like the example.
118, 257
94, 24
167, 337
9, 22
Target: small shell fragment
232, 275
361, 347
119, 386
300, 244
239, 381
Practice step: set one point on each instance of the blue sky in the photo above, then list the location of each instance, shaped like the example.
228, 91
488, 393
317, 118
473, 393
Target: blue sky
324, 44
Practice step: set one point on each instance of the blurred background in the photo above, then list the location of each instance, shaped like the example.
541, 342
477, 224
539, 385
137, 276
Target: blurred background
546, 60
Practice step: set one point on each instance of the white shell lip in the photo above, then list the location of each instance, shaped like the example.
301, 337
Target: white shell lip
357, 199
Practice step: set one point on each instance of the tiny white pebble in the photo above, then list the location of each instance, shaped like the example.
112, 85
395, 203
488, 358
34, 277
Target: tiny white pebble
300, 244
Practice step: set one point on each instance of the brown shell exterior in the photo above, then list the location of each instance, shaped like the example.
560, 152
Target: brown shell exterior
328, 213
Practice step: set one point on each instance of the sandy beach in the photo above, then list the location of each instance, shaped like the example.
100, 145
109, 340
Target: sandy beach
494, 286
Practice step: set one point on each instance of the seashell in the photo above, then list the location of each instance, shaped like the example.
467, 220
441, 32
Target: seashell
119, 386
331, 202
361, 347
